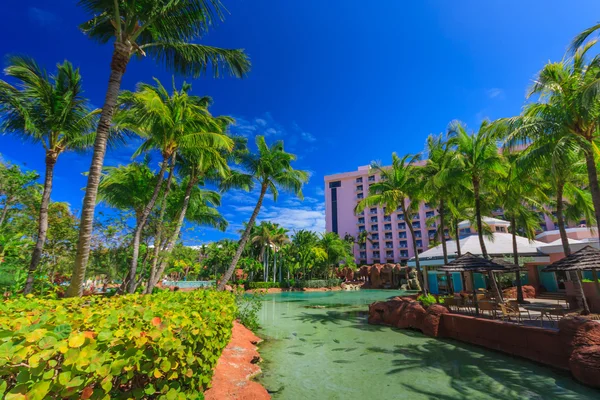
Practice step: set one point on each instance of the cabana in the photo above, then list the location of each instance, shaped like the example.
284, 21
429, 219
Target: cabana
586, 259
471, 264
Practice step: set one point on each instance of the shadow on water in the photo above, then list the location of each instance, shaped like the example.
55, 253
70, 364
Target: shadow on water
475, 373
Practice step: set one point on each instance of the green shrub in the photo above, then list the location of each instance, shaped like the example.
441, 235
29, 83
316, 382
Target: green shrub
248, 306
318, 283
98, 347
586, 280
429, 300
266, 285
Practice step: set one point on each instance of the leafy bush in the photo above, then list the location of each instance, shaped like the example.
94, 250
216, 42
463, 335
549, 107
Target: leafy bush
266, 285
248, 306
98, 347
428, 300
320, 283
586, 280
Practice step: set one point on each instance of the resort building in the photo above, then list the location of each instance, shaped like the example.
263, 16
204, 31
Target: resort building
389, 238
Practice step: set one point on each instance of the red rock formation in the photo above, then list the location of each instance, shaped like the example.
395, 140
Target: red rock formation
528, 292
398, 312
235, 367
431, 322
413, 316
585, 365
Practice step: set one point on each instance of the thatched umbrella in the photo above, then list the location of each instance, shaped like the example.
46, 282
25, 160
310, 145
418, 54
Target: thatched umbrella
471, 264
587, 259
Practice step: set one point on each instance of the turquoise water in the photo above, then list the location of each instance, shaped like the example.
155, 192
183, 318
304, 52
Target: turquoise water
332, 353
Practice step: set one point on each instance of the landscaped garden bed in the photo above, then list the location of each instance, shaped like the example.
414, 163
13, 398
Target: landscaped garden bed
98, 347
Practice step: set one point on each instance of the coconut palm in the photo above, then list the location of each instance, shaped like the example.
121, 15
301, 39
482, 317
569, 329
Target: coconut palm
169, 122
477, 155
398, 187
337, 250
280, 239
49, 110
262, 238
270, 169
165, 31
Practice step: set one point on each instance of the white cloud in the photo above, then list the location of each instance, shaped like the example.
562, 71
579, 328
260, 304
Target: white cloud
312, 219
494, 93
319, 191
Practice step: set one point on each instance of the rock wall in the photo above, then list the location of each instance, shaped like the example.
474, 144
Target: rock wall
529, 292
575, 346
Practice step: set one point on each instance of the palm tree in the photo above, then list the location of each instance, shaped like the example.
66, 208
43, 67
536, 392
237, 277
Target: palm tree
262, 238
280, 238
398, 187
161, 29
337, 250
49, 110
477, 155
270, 168
170, 123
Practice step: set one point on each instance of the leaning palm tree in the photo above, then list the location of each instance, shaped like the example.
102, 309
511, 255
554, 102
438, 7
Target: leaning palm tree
51, 111
399, 187
477, 155
165, 31
269, 169
170, 122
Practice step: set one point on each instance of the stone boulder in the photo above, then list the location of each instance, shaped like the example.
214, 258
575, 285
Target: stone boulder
529, 292
585, 365
412, 316
375, 277
432, 319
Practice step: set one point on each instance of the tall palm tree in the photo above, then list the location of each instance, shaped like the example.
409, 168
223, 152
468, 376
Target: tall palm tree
262, 238
477, 155
337, 250
165, 31
280, 239
568, 107
269, 169
398, 187
170, 123
49, 110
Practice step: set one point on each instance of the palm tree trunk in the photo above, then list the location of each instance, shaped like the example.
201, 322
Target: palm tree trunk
119, 61
593, 180
457, 238
244, 240
274, 265
161, 218
4, 211
137, 234
36, 256
573, 275
513, 223
173, 239
444, 247
420, 275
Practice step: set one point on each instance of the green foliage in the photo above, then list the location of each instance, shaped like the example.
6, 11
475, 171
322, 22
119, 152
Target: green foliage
428, 300
107, 347
318, 283
248, 306
267, 285
585, 280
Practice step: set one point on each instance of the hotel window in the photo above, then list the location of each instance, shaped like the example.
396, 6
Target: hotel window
419, 243
399, 209
389, 235
373, 219
372, 178
544, 227
403, 244
375, 246
374, 227
403, 253
402, 235
416, 225
432, 234
464, 231
389, 245
362, 246
363, 254
361, 213
361, 228
401, 225
387, 227
361, 220
376, 254
359, 180
360, 196
400, 217
429, 214
387, 218
418, 234
373, 210
500, 229
375, 236
359, 188
389, 254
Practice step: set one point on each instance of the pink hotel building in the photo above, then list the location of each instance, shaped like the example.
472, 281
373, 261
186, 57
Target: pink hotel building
389, 234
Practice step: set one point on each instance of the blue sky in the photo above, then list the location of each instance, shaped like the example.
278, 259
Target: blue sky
342, 82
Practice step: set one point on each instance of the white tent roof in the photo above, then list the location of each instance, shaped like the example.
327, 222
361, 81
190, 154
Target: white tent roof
501, 245
485, 220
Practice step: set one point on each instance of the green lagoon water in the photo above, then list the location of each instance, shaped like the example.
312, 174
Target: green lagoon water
332, 353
